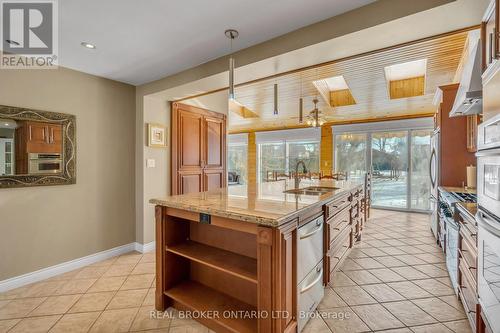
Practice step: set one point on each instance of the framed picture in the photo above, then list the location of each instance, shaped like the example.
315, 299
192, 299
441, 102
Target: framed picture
157, 135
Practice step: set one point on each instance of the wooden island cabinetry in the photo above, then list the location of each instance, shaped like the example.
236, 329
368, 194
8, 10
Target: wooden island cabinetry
231, 255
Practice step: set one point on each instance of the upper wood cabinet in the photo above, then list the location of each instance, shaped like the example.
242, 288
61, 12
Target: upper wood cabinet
39, 137
198, 149
490, 35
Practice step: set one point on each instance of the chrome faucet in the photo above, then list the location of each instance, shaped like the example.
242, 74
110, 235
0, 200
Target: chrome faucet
297, 178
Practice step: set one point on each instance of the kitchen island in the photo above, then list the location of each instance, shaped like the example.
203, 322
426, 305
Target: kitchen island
252, 258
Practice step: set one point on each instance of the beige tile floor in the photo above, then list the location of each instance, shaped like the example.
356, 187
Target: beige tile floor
114, 295
394, 280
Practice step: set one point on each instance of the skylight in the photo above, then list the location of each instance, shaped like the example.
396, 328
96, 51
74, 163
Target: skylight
407, 79
336, 83
406, 70
335, 91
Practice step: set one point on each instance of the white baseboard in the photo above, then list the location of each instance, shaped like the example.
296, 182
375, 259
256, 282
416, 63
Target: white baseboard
143, 248
45, 273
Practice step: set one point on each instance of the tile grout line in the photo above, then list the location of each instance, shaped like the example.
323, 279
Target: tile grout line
116, 292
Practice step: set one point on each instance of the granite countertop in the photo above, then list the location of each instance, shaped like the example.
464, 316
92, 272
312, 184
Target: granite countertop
264, 204
458, 189
470, 208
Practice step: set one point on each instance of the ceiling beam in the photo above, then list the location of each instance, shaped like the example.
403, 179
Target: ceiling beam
332, 123
356, 56
241, 110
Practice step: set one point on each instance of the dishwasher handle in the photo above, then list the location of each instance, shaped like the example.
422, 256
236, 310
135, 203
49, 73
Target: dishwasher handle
312, 284
319, 227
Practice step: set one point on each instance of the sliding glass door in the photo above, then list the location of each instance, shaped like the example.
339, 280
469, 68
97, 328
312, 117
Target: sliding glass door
399, 161
390, 169
420, 180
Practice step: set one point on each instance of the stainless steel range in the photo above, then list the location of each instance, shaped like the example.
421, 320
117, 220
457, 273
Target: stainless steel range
449, 229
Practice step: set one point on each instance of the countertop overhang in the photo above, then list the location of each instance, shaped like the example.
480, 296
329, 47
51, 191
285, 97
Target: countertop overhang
263, 204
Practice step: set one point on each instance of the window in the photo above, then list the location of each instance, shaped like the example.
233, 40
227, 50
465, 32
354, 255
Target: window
282, 157
350, 154
279, 151
304, 151
237, 161
272, 158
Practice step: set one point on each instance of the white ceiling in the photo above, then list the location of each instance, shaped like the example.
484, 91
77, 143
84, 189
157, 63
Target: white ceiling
142, 41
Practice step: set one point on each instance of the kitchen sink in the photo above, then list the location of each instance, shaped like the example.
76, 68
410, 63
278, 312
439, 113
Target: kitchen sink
312, 190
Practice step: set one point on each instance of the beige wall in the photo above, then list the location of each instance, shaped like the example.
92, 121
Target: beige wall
156, 181
44, 226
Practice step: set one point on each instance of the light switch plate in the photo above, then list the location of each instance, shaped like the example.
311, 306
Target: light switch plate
150, 163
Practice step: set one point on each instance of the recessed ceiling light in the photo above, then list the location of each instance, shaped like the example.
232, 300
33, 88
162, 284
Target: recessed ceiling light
87, 45
12, 42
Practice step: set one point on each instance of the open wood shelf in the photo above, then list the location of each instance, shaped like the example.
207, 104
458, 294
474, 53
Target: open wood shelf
235, 264
198, 297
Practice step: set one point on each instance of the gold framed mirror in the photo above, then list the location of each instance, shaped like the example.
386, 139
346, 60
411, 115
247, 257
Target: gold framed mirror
37, 148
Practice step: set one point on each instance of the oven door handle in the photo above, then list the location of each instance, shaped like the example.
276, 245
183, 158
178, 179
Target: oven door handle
489, 152
488, 223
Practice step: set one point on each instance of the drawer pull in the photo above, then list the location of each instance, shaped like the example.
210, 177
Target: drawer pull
309, 234
312, 284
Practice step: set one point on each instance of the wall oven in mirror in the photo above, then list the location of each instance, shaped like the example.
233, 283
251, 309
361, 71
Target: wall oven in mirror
36, 148
45, 163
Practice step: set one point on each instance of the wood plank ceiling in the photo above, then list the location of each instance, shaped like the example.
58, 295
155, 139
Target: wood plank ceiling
366, 79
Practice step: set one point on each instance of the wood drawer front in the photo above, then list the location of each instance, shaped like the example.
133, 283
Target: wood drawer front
468, 276
339, 248
336, 206
338, 224
468, 252
469, 232
468, 296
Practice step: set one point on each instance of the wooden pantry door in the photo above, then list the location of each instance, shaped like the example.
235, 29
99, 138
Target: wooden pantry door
198, 149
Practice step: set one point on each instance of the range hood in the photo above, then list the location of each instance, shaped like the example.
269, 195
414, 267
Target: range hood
469, 98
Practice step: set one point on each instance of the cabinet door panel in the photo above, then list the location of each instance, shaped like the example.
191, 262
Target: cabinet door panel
215, 142
56, 134
191, 126
37, 133
190, 183
214, 180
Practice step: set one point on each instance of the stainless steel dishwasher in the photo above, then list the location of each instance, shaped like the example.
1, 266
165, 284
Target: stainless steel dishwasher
309, 269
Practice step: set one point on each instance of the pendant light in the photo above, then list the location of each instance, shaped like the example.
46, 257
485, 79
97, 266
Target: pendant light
301, 103
275, 99
231, 34
301, 110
